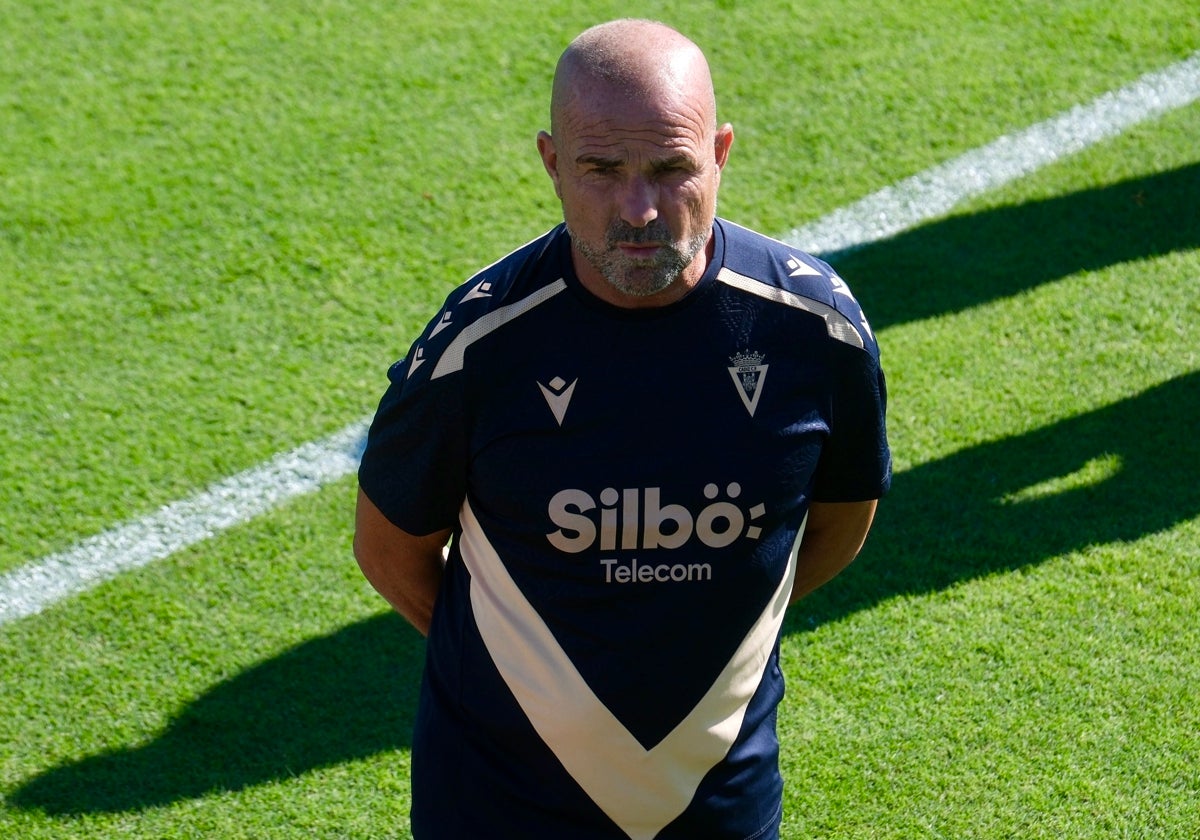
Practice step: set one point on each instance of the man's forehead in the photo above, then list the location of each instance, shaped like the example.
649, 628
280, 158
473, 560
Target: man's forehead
677, 126
634, 147
622, 145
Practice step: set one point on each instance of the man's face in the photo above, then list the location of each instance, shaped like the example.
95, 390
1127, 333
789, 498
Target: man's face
638, 182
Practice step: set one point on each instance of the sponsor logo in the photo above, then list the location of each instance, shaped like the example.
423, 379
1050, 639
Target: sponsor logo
635, 519
616, 571
840, 287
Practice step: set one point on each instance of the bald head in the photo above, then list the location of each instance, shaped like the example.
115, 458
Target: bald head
635, 155
637, 59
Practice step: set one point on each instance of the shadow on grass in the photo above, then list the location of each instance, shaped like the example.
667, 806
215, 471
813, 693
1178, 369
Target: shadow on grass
353, 694
960, 262
1115, 474
332, 699
946, 522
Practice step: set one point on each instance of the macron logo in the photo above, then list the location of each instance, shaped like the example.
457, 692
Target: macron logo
482, 289
441, 324
418, 359
558, 396
799, 268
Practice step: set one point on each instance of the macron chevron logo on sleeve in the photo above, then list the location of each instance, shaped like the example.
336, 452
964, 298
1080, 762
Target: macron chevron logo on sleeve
799, 268
417, 360
453, 357
442, 323
482, 289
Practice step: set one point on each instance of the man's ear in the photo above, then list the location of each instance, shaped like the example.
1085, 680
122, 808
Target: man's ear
722, 144
545, 146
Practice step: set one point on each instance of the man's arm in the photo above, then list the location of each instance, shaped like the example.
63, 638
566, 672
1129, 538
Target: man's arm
834, 535
405, 569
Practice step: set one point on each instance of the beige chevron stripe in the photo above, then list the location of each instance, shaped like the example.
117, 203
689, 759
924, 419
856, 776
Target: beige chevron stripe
641, 790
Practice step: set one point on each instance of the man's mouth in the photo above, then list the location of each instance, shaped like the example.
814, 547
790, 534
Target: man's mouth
640, 250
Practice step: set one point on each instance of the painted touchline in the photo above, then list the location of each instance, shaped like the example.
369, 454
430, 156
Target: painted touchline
238, 499
937, 190
173, 527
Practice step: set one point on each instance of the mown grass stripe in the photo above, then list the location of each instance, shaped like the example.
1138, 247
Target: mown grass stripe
230, 502
233, 501
939, 189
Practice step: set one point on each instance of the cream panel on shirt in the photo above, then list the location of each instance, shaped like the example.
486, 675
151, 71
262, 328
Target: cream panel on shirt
641, 790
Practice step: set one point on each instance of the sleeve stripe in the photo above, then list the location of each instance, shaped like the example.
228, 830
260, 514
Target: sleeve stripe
451, 360
836, 324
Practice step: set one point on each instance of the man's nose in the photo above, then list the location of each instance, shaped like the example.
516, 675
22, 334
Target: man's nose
638, 202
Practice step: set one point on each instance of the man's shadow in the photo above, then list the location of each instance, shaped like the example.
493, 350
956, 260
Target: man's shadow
967, 260
1115, 474
963, 516
332, 699
353, 694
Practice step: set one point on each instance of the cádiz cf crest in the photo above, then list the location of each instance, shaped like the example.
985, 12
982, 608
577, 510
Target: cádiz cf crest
748, 372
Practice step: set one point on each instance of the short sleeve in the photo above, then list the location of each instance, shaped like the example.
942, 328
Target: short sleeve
856, 462
414, 466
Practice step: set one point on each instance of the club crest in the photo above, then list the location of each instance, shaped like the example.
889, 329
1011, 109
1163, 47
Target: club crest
748, 372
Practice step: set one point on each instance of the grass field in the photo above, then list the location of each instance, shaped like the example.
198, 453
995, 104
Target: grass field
220, 222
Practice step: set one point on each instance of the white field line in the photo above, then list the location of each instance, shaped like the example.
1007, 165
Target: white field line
937, 190
233, 501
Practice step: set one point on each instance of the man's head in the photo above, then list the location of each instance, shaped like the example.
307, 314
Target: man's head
635, 154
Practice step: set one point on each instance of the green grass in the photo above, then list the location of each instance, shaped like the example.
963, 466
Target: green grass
220, 222
1013, 655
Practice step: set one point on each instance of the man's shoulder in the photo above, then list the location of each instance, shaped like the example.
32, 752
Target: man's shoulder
516, 283
773, 270
517, 274
775, 263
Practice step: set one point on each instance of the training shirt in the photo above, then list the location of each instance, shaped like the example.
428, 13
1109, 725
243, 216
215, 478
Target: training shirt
626, 488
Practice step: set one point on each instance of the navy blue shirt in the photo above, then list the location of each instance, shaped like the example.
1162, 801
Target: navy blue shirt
626, 489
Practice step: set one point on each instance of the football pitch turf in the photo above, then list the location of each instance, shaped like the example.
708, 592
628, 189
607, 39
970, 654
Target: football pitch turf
220, 223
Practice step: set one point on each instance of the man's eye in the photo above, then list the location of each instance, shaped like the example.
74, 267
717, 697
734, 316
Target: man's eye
674, 170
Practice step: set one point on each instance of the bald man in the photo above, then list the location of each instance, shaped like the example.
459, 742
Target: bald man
643, 434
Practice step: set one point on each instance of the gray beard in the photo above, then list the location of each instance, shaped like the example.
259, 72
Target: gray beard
641, 278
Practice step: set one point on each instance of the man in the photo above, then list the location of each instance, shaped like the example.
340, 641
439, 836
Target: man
623, 428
